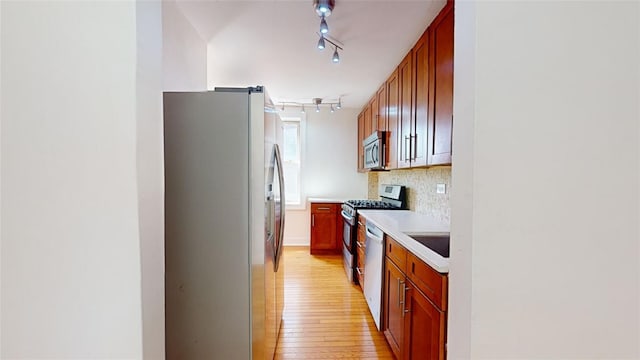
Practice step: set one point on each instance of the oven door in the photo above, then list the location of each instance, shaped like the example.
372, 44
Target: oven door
348, 227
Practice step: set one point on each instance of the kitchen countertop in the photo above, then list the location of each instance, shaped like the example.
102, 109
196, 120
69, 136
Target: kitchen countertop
326, 200
396, 223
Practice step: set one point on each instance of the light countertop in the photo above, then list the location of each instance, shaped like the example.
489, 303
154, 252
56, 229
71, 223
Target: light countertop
326, 200
397, 223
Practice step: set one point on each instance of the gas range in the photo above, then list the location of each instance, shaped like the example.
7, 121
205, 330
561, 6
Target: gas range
392, 197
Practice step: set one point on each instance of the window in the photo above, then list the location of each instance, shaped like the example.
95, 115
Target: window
291, 158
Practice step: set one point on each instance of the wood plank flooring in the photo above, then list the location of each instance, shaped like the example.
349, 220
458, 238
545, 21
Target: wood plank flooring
325, 317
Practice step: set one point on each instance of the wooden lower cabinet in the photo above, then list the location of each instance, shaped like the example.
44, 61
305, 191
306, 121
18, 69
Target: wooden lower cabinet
424, 327
325, 230
394, 317
360, 244
414, 326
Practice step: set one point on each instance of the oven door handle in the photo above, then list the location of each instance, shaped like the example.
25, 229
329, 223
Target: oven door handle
347, 218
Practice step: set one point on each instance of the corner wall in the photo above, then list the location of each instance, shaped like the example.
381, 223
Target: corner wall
544, 227
71, 284
184, 53
330, 168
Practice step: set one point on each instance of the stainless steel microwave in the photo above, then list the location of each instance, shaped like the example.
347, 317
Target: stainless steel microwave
374, 147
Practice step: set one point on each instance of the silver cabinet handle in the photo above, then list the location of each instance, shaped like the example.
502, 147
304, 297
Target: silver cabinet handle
404, 299
400, 286
313, 220
359, 244
324, 208
413, 142
359, 271
406, 138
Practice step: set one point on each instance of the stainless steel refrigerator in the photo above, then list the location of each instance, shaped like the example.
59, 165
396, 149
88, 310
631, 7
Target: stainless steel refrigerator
224, 222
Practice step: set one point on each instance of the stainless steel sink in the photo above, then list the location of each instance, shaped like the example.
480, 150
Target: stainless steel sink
438, 243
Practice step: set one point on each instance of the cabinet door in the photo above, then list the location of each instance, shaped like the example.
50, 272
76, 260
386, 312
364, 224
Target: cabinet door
421, 100
323, 228
360, 138
394, 283
381, 97
373, 105
424, 327
367, 121
393, 106
442, 87
406, 115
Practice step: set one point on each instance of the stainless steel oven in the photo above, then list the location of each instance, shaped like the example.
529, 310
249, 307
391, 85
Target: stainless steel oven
348, 231
392, 198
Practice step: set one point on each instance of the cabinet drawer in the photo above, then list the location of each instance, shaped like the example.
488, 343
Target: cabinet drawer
396, 252
430, 282
323, 207
360, 266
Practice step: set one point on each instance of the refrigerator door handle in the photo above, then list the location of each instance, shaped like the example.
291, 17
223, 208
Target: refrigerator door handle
280, 238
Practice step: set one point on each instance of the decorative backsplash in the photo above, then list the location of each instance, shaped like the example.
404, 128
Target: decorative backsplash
421, 189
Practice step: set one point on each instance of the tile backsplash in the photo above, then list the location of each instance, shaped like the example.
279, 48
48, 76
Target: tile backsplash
421, 189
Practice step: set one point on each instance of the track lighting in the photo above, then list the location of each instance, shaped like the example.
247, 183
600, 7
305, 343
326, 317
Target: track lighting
317, 102
323, 7
324, 28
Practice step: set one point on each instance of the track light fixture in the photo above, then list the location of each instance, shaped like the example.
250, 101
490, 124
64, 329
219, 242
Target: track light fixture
321, 45
324, 7
324, 28
317, 102
336, 57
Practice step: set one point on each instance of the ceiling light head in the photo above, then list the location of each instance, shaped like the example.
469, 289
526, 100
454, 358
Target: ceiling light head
324, 28
336, 57
324, 7
339, 105
332, 109
321, 43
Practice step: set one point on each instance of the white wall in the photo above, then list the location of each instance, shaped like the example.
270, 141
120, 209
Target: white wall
330, 168
546, 175
73, 89
150, 172
184, 52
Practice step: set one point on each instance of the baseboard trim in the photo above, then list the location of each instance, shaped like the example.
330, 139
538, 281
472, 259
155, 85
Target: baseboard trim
296, 241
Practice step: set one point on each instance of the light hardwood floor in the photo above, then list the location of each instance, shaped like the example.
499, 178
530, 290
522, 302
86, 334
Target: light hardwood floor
325, 317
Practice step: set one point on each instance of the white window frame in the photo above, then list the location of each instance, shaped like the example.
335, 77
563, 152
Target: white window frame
299, 119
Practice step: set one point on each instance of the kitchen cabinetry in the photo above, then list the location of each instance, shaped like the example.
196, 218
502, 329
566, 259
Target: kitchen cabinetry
421, 70
418, 102
415, 304
392, 106
405, 121
359, 142
441, 123
360, 243
326, 226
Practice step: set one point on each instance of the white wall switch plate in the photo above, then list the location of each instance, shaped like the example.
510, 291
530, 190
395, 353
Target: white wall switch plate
441, 188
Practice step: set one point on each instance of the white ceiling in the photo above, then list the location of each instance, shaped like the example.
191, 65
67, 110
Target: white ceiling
273, 43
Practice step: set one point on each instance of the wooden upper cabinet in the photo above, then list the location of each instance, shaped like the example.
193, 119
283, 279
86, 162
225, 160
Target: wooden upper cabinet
405, 120
392, 113
373, 104
367, 121
441, 86
359, 142
421, 72
381, 96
